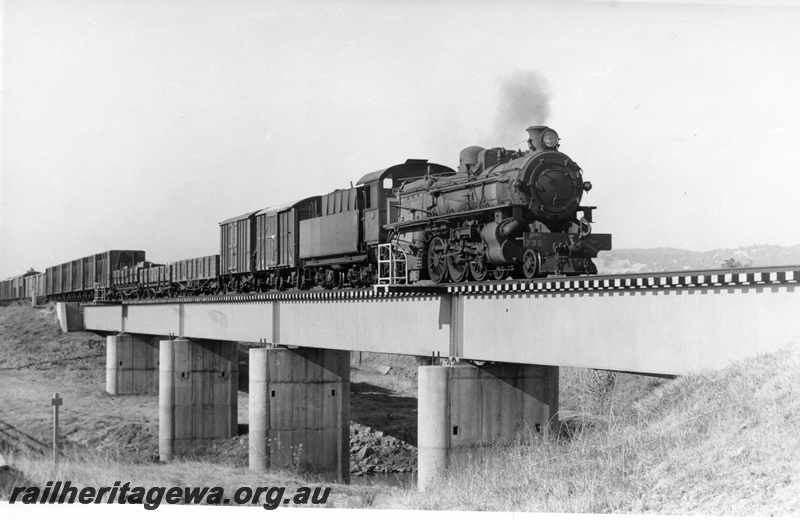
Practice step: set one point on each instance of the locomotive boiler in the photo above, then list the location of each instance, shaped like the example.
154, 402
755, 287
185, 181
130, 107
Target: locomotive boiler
502, 213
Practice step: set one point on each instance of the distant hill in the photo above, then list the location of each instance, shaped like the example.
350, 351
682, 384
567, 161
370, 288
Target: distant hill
622, 261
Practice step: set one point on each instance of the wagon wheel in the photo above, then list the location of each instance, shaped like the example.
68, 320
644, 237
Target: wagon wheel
478, 271
457, 268
437, 263
531, 263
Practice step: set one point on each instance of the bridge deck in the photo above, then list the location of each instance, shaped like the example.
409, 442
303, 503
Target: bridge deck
663, 323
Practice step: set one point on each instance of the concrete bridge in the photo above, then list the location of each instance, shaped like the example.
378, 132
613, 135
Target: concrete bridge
503, 342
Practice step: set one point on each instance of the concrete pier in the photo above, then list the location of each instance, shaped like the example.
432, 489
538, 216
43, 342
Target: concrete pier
70, 316
197, 395
464, 408
131, 364
300, 411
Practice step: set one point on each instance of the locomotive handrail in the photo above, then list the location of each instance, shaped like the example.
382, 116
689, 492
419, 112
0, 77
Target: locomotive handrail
406, 223
398, 206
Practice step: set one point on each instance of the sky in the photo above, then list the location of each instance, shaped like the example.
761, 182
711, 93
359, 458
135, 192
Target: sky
142, 125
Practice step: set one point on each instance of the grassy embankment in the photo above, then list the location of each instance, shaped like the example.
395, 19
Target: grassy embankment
716, 443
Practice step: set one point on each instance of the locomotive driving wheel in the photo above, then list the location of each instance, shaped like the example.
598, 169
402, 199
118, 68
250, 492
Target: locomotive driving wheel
437, 263
478, 271
531, 263
457, 267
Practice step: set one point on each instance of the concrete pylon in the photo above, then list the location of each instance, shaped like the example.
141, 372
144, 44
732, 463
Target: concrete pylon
197, 394
463, 409
131, 364
70, 316
300, 411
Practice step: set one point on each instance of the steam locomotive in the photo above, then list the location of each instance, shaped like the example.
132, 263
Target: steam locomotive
503, 213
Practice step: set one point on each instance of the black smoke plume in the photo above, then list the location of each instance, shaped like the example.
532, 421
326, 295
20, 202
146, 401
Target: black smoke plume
523, 100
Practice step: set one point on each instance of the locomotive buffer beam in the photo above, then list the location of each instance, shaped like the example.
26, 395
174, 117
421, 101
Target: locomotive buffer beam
551, 243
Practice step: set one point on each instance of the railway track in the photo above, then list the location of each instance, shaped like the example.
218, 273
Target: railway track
709, 278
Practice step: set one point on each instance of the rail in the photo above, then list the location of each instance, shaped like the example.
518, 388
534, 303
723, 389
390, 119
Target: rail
714, 278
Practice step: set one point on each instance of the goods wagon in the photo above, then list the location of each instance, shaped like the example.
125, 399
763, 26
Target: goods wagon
125, 282
66, 278
12, 289
5, 290
18, 287
22, 287
195, 275
277, 246
237, 241
34, 286
105, 264
52, 282
154, 280
78, 279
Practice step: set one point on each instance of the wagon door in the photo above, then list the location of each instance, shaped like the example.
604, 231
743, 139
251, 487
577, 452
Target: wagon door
267, 238
261, 242
286, 232
271, 239
233, 247
224, 249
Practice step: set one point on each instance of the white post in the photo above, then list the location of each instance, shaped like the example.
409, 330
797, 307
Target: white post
56, 402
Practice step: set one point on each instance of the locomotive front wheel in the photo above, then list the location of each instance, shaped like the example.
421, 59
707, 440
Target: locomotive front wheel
437, 263
458, 268
531, 263
500, 273
478, 271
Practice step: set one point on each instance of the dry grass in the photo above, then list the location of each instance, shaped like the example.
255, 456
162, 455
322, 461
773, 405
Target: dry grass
105, 438
32, 338
720, 443
97, 470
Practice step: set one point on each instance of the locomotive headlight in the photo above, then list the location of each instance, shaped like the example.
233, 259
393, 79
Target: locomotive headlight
587, 186
550, 138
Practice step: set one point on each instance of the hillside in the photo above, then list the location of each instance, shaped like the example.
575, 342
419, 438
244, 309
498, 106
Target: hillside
718, 443
621, 261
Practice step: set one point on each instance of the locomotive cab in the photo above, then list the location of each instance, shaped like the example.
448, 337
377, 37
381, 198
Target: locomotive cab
380, 188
